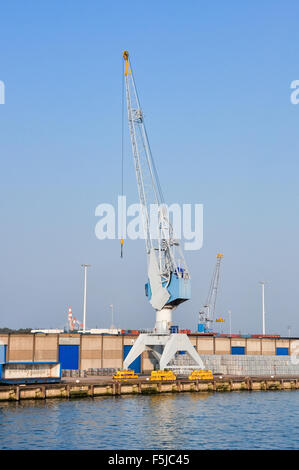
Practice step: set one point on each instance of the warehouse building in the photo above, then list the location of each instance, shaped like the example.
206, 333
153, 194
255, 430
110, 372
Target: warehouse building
100, 351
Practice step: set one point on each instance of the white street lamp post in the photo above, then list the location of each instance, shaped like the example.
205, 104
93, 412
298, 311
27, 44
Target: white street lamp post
85, 266
230, 322
263, 306
112, 316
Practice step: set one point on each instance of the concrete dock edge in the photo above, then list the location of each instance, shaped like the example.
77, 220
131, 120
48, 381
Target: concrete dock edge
112, 388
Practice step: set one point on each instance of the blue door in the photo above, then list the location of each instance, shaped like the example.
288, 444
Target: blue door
136, 365
69, 356
238, 350
282, 351
2, 353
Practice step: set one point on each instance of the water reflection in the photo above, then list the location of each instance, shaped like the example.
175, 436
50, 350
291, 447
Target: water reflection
165, 421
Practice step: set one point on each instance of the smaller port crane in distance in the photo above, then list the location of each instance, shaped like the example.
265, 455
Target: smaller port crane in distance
207, 313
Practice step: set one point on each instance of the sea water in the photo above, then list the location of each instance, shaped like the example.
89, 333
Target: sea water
229, 420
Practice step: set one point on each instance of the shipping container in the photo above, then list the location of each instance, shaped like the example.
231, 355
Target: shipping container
203, 334
30, 372
174, 329
265, 336
230, 336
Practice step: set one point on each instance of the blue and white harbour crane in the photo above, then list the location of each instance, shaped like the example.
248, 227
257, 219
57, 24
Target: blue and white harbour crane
169, 281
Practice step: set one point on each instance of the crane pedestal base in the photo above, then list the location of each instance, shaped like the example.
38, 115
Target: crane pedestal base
164, 348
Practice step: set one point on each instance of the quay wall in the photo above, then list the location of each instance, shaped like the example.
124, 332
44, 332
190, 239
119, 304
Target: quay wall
85, 390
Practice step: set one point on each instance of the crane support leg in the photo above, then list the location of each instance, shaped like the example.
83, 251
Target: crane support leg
138, 347
169, 346
179, 342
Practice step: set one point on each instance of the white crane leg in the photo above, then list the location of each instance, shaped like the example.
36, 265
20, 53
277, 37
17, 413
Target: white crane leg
179, 342
138, 347
170, 344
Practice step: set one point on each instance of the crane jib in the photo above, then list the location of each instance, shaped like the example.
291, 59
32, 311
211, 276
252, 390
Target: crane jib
168, 275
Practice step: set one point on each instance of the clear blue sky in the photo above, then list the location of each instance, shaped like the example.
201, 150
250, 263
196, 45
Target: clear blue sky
214, 82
